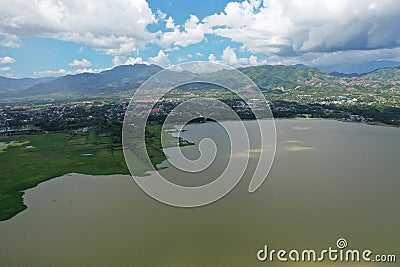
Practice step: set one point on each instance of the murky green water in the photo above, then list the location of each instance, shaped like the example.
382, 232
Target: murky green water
329, 180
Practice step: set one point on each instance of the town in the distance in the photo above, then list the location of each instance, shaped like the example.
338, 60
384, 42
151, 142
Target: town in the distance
73, 102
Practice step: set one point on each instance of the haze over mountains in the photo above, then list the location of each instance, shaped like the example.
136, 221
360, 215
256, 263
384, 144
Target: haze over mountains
127, 77
362, 68
11, 85
117, 79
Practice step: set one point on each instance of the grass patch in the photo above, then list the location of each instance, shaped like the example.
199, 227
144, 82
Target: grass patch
12, 144
54, 155
19, 143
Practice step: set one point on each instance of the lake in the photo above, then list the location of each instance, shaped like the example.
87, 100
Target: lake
329, 180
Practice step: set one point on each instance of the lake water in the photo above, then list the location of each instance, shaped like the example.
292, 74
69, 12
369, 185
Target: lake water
329, 180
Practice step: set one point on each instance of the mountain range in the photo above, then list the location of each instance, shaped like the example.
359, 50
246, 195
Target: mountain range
128, 77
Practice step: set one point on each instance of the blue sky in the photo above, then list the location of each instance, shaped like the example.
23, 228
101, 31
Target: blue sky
52, 38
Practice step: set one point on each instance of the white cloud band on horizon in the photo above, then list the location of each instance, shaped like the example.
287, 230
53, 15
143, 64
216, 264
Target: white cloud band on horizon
63, 72
5, 68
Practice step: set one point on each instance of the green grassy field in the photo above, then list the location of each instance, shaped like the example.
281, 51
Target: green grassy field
32, 159
38, 158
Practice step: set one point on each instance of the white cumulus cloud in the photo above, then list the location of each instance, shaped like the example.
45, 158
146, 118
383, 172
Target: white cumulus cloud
192, 33
123, 60
5, 69
10, 40
115, 27
134, 60
313, 32
170, 23
212, 58
6, 60
84, 63
286, 27
229, 57
161, 59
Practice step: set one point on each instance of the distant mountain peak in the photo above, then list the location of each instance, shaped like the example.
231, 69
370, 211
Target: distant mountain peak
362, 68
302, 66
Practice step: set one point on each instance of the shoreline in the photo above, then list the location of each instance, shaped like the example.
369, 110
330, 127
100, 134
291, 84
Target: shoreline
379, 124
83, 170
